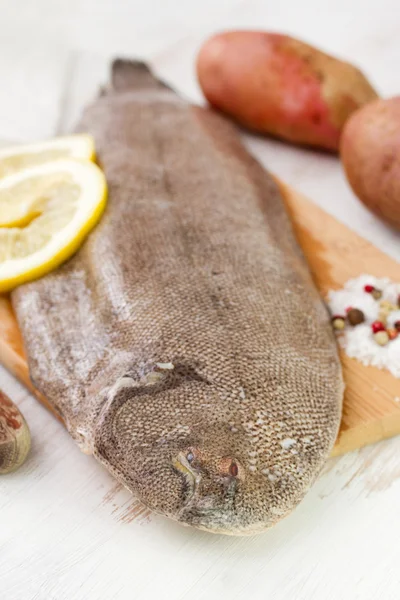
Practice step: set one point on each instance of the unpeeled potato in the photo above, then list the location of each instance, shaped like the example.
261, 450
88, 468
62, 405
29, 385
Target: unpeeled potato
276, 84
370, 152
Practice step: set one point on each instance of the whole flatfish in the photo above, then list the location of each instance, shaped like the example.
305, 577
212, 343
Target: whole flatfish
185, 345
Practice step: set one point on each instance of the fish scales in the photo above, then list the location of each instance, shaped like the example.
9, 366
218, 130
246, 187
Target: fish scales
185, 344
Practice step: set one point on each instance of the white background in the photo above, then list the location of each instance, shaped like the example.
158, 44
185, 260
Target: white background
67, 530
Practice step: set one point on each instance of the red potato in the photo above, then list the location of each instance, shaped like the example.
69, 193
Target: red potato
276, 84
370, 152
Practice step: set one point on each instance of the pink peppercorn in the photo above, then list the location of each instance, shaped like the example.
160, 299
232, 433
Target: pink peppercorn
377, 326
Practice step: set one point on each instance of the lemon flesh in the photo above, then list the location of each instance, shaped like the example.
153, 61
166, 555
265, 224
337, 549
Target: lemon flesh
16, 158
58, 203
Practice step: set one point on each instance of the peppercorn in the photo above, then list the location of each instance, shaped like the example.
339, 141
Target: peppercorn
381, 338
355, 316
376, 294
397, 325
392, 333
338, 322
369, 289
377, 326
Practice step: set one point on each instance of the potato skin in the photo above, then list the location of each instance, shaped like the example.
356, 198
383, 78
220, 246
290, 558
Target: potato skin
370, 152
276, 84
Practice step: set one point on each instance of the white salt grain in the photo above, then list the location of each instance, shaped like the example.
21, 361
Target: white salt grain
165, 366
287, 443
358, 341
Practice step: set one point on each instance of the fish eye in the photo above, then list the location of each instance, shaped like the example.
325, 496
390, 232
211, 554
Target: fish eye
233, 469
190, 456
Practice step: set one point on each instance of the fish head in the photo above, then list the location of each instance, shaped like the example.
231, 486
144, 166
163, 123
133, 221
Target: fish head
169, 442
220, 490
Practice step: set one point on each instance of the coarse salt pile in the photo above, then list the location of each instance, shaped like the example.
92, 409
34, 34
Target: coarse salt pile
366, 316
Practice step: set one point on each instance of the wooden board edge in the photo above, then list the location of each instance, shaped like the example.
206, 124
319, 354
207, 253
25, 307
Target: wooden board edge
15, 363
370, 433
12, 356
355, 438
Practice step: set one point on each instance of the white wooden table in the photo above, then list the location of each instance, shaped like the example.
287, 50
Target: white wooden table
67, 530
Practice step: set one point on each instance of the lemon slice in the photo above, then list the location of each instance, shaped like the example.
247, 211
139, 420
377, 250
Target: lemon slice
16, 158
59, 203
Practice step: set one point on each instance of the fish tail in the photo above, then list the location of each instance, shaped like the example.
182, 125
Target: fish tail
133, 75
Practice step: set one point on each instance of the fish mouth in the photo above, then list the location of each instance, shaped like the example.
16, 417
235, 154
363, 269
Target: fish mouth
213, 519
194, 505
192, 477
201, 511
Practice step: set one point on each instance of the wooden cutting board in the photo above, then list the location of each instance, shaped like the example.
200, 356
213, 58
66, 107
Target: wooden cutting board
335, 254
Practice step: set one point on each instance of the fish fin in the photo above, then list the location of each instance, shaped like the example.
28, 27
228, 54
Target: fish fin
133, 75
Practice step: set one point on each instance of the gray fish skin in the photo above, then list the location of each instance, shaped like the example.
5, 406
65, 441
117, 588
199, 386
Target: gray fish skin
185, 344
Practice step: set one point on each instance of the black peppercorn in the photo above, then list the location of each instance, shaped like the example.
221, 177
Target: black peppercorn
355, 316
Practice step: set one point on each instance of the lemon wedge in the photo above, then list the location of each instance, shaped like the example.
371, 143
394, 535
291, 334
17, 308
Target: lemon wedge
16, 158
56, 204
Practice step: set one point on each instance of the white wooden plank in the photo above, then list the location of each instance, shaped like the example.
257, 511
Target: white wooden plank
67, 530
33, 79
131, 27
89, 71
79, 540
